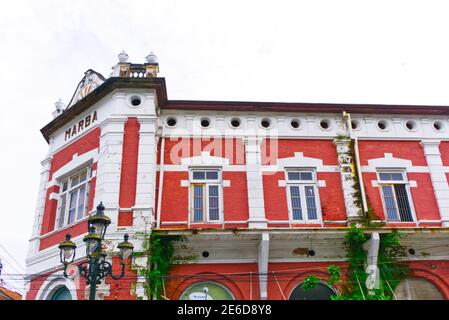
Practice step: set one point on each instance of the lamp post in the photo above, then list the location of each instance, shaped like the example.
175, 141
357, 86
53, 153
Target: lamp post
96, 267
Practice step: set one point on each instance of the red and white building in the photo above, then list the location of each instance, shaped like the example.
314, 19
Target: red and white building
263, 192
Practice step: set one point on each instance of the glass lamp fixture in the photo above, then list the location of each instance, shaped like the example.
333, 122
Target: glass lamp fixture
67, 250
92, 241
126, 248
100, 221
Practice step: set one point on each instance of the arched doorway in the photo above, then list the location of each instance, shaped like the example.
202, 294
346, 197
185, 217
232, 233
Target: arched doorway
321, 292
62, 293
206, 291
417, 289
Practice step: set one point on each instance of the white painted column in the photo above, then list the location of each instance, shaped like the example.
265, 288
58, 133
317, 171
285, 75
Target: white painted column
143, 209
254, 183
372, 249
438, 176
262, 261
40, 205
353, 212
109, 165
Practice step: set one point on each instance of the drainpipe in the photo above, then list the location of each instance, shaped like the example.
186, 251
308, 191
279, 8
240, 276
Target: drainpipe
347, 116
161, 181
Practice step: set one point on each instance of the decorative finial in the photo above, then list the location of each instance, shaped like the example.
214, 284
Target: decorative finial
59, 105
123, 57
151, 58
101, 207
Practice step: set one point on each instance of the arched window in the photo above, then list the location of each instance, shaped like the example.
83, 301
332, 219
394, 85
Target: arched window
206, 291
417, 289
61, 293
320, 292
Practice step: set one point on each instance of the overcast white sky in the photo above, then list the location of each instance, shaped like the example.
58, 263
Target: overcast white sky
304, 51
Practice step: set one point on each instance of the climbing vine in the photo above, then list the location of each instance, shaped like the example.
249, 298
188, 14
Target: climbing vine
159, 251
392, 268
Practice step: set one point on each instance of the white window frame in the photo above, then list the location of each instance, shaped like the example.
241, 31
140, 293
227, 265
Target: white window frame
68, 192
302, 184
405, 182
206, 182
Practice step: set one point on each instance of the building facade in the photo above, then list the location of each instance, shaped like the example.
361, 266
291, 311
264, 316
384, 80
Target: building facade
262, 193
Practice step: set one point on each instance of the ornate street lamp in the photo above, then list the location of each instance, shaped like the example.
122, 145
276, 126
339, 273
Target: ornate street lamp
96, 267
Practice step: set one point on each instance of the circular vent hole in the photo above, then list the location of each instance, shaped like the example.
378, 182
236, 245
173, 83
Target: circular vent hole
411, 251
171, 122
235, 123
295, 123
311, 253
205, 254
205, 123
265, 123
438, 125
325, 124
382, 125
411, 125
136, 101
354, 124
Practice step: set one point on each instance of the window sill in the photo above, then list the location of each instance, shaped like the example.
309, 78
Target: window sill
64, 228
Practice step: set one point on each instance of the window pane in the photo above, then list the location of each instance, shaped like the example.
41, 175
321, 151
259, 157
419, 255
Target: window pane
306, 175
397, 176
403, 205
198, 175
384, 176
299, 176
389, 176
311, 204
213, 203
296, 203
293, 176
389, 203
72, 206
83, 176
212, 175
65, 185
198, 203
81, 202
75, 181
61, 215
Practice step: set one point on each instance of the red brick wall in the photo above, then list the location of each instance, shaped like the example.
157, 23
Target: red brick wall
235, 197
123, 289
128, 177
37, 283
85, 144
175, 199
232, 149
284, 277
423, 195
331, 196
411, 150
182, 276
321, 149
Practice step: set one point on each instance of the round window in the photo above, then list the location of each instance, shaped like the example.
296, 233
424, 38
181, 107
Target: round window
266, 123
61, 294
205, 122
171, 122
320, 292
206, 291
135, 101
235, 122
325, 124
295, 123
382, 125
